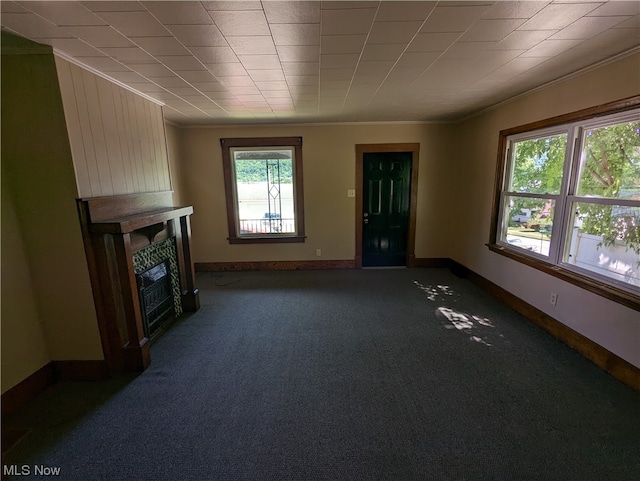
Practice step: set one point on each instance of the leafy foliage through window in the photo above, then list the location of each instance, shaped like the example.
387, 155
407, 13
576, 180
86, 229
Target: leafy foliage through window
570, 197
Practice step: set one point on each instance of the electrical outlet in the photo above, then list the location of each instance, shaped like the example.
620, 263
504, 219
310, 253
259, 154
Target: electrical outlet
318, 252
351, 193
553, 300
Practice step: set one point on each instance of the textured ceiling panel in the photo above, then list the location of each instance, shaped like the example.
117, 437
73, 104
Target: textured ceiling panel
329, 61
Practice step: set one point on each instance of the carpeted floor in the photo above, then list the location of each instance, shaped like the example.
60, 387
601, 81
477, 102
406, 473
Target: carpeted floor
407, 374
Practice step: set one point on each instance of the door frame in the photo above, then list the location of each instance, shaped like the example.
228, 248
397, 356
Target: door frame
362, 149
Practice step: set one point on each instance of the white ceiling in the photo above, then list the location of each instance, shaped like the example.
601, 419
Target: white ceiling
329, 61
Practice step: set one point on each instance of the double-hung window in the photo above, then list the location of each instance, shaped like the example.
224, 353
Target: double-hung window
263, 184
568, 199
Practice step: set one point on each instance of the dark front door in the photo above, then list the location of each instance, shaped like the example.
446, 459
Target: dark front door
386, 198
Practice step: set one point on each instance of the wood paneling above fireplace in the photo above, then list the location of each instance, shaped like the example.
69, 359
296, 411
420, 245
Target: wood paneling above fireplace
113, 229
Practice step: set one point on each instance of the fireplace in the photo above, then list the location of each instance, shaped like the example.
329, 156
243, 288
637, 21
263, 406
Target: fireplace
139, 256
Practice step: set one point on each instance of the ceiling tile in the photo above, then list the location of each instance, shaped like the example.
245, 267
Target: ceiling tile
448, 18
557, 16
171, 82
135, 24
240, 23
241, 90
12, 7
300, 68
633, 23
393, 32
210, 87
524, 39
198, 35
550, 48
514, 9
100, 36
587, 27
346, 21
214, 54
233, 5
200, 76
275, 89
338, 60
299, 80
491, 30
616, 8
240, 81
266, 75
226, 69
296, 53
180, 62
342, 43
29, 25
128, 55
382, 52
152, 70
260, 62
467, 50
64, 13
292, 12
375, 67
432, 42
417, 59
113, 6
337, 73
296, 33
252, 45
179, 13
403, 11
161, 45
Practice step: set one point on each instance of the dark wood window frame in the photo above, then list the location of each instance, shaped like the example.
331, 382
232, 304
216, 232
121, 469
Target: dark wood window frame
593, 285
229, 181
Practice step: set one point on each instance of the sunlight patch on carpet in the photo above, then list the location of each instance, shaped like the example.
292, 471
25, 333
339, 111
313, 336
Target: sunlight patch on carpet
467, 323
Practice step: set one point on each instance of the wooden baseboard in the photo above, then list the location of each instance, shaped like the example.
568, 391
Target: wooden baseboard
616, 366
273, 265
80, 370
431, 262
29, 388
48, 375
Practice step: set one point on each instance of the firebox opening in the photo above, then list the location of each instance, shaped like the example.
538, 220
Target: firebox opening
156, 299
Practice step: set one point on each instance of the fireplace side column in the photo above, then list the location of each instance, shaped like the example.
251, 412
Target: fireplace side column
136, 353
190, 294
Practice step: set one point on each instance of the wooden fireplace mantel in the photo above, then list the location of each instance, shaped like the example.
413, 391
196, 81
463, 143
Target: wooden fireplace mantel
131, 223
113, 229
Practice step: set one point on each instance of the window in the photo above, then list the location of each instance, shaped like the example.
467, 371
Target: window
263, 184
568, 199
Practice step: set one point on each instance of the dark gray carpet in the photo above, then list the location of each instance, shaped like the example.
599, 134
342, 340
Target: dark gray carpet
410, 374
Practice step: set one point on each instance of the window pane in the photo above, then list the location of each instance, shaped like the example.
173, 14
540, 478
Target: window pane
606, 239
264, 189
529, 223
610, 161
538, 165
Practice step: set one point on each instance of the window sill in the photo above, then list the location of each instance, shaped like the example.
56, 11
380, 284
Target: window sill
266, 240
600, 288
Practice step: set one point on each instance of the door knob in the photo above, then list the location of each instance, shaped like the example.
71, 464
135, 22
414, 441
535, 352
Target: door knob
366, 221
